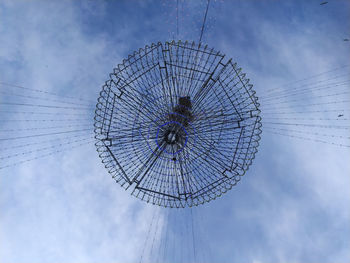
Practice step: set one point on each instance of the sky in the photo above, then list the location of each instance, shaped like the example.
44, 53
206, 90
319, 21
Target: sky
291, 206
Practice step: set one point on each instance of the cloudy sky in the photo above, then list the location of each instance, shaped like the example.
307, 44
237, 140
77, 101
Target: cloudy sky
293, 203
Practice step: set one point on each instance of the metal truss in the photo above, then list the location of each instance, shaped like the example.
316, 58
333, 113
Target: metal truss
176, 125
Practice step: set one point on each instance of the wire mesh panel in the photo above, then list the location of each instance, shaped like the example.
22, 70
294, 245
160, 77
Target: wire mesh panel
176, 124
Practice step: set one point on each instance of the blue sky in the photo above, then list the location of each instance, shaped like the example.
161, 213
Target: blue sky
293, 203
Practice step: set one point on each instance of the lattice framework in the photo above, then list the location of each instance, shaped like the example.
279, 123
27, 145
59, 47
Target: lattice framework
177, 124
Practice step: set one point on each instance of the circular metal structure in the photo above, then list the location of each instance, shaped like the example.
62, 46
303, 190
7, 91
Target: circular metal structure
176, 124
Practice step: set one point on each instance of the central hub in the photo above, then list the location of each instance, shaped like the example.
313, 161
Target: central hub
171, 137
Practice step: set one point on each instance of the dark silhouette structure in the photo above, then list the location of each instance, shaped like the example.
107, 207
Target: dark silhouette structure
176, 124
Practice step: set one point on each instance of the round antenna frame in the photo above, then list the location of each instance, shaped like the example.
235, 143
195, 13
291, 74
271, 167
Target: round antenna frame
176, 124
